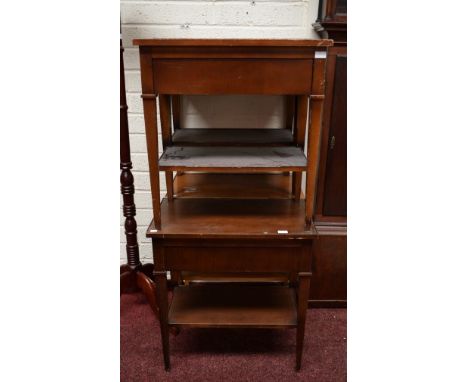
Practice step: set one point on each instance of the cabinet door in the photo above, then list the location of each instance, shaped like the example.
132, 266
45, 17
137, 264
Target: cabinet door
331, 201
334, 203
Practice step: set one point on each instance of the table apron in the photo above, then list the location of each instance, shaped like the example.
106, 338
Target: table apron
237, 259
233, 76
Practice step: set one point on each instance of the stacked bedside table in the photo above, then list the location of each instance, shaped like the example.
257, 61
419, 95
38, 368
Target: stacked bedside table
233, 206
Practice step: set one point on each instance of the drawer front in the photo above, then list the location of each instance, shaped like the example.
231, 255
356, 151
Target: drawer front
233, 76
234, 259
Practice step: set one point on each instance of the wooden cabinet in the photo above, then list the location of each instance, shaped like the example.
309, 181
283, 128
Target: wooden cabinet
328, 284
331, 198
329, 269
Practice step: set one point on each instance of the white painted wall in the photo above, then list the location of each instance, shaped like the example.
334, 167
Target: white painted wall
267, 19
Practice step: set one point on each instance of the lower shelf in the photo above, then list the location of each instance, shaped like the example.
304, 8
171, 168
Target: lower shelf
199, 277
240, 306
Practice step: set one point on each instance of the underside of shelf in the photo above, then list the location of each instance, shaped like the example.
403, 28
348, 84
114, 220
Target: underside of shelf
243, 186
232, 159
232, 137
234, 306
229, 277
232, 218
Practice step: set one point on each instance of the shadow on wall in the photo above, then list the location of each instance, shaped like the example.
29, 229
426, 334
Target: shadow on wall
232, 112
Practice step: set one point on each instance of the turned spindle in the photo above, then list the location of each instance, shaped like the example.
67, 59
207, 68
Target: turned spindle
126, 177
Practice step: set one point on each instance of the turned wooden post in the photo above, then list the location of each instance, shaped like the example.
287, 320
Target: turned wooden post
126, 177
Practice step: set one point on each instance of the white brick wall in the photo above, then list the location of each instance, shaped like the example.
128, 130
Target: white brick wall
202, 19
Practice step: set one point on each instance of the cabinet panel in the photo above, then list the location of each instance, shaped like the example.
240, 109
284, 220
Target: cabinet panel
334, 203
234, 259
331, 205
233, 76
328, 282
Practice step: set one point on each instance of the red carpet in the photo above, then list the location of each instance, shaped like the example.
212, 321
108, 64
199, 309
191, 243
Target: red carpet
230, 354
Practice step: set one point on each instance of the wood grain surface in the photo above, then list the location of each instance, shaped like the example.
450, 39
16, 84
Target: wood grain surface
233, 306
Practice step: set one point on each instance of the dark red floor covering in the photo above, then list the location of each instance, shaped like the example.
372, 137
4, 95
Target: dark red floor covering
230, 354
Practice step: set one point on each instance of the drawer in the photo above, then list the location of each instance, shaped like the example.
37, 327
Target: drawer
235, 259
231, 76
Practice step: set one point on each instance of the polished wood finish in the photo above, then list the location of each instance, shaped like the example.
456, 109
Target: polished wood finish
205, 67
246, 278
145, 283
235, 255
229, 44
232, 253
328, 285
233, 305
334, 201
239, 186
176, 108
128, 283
300, 126
148, 287
133, 276
126, 177
232, 159
331, 200
239, 218
151, 129
303, 291
166, 133
249, 235
232, 186
329, 282
213, 66
165, 114
228, 77
232, 137
313, 138
133, 272
289, 111
331, 196
129, 277
159, 275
